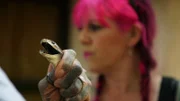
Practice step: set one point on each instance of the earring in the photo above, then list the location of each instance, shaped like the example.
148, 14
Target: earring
130, 52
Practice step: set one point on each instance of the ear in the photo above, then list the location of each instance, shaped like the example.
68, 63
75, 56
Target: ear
135, 35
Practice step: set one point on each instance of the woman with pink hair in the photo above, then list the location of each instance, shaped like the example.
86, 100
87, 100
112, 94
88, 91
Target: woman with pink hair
117, 36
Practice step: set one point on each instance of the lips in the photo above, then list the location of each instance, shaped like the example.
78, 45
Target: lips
87, 54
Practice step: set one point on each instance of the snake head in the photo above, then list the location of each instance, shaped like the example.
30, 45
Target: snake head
51, 51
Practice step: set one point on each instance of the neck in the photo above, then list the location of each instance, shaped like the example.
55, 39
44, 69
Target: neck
124, 76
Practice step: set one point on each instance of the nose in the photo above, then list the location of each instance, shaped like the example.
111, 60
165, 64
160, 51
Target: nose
84, 37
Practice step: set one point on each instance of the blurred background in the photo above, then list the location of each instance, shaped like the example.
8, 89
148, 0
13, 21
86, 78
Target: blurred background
23, 23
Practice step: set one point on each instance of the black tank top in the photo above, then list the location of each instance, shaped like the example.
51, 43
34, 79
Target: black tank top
168, 89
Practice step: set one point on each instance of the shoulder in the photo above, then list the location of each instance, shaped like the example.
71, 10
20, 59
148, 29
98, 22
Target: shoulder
8, 92
164, 88
155, 85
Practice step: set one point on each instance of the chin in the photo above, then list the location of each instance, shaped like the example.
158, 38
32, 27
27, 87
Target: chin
95, 69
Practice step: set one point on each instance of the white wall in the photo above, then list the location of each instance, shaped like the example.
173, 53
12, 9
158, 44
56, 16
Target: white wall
167, 42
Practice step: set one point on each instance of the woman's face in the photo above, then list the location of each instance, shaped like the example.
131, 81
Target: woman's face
104, 47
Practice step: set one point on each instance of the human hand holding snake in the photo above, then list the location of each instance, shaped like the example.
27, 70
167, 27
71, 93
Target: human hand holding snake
66, 79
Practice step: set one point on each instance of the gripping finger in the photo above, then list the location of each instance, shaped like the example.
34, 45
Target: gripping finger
66, 63
73, 90
50, 74
82, 96
69, 78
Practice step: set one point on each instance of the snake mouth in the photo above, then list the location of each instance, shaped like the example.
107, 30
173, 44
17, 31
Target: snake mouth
48, 49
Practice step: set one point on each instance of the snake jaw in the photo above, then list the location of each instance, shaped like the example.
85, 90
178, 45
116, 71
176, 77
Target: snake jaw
50, 47
51, 51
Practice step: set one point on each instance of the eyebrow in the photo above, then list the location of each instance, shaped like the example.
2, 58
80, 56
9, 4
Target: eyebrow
93, 21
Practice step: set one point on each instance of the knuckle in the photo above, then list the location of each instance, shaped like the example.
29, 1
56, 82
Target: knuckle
73, 90
77, 70
40, 83
77, 86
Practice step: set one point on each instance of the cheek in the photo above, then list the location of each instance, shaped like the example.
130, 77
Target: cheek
110, 48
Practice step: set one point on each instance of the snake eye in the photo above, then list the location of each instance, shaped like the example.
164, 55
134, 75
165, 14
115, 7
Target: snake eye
53, 42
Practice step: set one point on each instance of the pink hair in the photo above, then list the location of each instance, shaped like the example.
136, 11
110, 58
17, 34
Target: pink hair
113, 9
125, 14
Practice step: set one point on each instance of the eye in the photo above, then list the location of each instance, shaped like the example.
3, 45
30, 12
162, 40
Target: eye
94, 27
